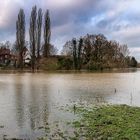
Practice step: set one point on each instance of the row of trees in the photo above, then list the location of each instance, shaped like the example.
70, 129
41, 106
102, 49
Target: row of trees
96, 52
35, 36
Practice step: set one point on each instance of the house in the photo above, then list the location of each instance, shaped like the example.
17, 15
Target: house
6, 57
27, 58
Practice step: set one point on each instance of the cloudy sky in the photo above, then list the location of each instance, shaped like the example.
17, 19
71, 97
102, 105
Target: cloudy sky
116, 19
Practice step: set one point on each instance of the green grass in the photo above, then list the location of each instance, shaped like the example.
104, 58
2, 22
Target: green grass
112, 122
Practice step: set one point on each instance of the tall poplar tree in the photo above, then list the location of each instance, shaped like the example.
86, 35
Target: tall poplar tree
20, 37
33, 36
47, 34
74, 43
39, 29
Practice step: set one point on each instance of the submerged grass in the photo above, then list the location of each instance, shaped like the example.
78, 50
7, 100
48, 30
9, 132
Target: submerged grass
111, 122
105, 122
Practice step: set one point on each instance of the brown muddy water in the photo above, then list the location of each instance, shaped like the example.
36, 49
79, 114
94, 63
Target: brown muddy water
30, 101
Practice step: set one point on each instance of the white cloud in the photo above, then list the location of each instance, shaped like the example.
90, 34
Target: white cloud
8, 9
58, 4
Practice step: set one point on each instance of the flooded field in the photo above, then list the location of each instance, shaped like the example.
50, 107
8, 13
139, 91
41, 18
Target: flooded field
30, 101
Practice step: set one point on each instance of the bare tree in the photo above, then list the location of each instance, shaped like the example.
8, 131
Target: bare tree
39, 29
47, 34
67, 49
33, 37
124, 50
53, 50
20, 37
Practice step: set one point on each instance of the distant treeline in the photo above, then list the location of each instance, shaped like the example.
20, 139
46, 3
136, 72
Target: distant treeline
91, 52
95, 52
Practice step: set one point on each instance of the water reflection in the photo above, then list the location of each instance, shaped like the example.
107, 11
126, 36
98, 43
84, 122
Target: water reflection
19, 102
31, 107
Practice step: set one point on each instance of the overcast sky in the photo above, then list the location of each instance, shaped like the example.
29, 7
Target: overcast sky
116, 19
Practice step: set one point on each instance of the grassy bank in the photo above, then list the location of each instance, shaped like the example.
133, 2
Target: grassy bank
120, 122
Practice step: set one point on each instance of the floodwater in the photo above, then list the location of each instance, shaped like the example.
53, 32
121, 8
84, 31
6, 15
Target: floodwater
30, 101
